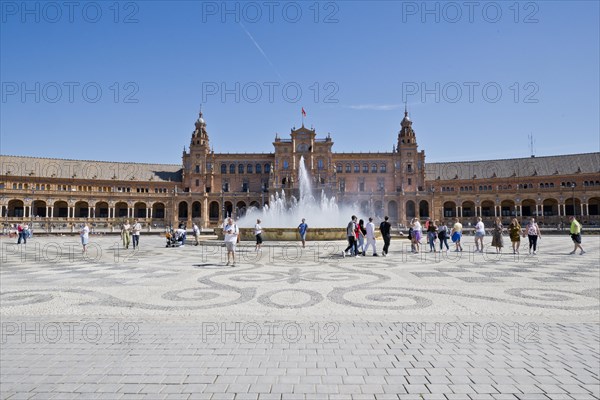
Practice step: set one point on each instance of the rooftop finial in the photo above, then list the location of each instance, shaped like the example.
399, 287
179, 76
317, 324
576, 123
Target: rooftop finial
405, 109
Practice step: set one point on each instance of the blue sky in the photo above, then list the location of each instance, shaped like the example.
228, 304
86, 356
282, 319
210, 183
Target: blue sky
356, 63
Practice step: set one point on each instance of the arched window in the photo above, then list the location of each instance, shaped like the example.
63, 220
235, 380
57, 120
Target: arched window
348, 168
232, 168
365, 168
382, 168
249, 168
356, 168
286, 164
223, 168
240, 168
374, 168
267, 168
338, 168
258, 169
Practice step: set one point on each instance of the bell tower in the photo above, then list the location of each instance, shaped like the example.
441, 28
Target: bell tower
197, 162
411, 161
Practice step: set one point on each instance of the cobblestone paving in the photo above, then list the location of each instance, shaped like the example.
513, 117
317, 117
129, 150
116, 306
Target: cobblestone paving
291, 323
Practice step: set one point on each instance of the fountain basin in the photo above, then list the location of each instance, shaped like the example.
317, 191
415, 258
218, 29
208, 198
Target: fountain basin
291, 234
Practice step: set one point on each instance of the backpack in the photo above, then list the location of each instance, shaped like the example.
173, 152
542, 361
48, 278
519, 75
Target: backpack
442, 232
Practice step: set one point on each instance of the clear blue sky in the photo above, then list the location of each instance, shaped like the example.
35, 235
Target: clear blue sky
370, 57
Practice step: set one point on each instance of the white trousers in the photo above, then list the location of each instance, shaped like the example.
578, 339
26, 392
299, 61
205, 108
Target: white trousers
371, 242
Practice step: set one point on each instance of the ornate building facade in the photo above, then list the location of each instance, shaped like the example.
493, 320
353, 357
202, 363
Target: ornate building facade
207, 186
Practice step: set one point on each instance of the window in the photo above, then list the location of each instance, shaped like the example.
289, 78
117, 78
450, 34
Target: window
356, 168
208, 167
249, 168
366, 168
374, 168
197, 182
361, 186
338, 168
225, 186
342, 185
382, 168
348, 168
381, 184
258, 169
197, 169
286, 164
245, 187
409, 181
240, 168
223, 168
409, 168
232, 168
267, 168
320, 165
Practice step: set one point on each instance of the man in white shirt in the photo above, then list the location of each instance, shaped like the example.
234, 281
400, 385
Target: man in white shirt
180, 234
85, 236
135, 233
370, 238
231, 232
196, 231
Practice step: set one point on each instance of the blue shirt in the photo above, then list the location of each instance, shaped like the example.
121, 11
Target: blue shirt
302, 227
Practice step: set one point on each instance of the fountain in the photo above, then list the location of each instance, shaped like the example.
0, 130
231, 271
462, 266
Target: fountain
326, 219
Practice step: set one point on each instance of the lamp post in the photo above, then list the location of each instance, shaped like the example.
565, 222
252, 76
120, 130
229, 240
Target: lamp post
573, 198
433, 203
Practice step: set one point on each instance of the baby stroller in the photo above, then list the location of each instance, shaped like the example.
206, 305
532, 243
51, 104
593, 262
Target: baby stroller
172, 239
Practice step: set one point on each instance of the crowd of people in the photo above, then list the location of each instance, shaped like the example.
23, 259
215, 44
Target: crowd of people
361, 235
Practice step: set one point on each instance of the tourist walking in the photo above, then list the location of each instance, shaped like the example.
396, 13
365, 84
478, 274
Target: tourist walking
411, 235
533, 234
386, 232
370, 235
497, 240
258, 235
456, 234
302, 228
351, 235
479, 234
125, 236
135, 233
514, 231
417, 234
360, 233
576, 235
443, 235
432, 235
231, 232
196, 232
84, 233
22, 235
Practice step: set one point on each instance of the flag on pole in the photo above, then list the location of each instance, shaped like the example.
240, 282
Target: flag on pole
303, 112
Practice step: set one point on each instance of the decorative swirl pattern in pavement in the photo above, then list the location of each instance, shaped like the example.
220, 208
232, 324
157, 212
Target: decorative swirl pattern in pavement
366, 283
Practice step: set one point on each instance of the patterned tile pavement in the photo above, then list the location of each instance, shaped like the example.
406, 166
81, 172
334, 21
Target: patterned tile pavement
292, 323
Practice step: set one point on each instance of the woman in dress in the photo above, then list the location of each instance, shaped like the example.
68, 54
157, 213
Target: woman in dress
514, 230
497, 241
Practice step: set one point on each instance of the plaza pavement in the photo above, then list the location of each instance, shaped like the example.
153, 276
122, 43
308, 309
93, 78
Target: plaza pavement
292, 323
